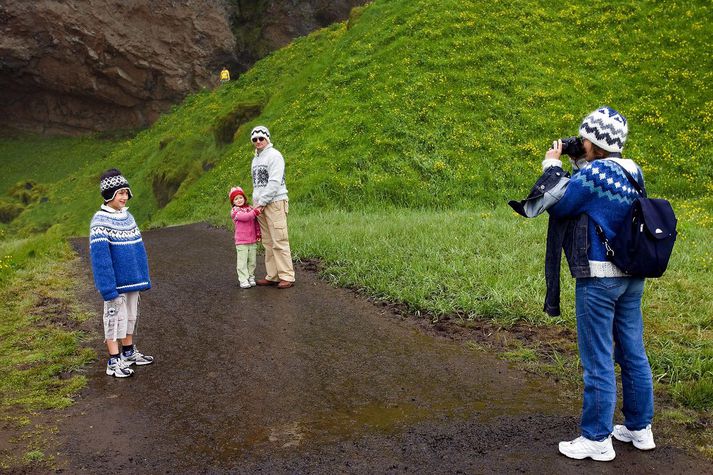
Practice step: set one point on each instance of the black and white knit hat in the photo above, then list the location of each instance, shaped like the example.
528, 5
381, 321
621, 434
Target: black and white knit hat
111, 182
605, 128
260, 131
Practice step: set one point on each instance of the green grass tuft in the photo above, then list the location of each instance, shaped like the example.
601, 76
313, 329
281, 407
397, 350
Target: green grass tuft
694, 394
40, 327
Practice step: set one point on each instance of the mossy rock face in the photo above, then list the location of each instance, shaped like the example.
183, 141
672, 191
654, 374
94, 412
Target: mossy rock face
9, 210
226, 126
165, 186
354, 16
27, 192
165, 141
21, 195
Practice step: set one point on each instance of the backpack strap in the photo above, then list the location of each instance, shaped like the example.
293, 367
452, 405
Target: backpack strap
637, 187
631, 179
604, 240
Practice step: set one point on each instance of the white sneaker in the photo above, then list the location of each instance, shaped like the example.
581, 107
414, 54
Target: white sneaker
251, 281
118, 368
136, 357
581, 448
245, 285
642, 439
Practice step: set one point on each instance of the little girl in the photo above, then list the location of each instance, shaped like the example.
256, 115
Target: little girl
247, 234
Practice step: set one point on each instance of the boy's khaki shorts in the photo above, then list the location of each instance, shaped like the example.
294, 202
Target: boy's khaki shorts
120, 316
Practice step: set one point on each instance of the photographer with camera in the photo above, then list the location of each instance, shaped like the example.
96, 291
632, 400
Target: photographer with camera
608, 301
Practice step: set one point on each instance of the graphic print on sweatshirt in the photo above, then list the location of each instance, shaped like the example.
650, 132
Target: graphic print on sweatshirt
260, 176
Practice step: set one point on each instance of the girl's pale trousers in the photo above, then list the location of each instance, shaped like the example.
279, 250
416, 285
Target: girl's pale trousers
246, 262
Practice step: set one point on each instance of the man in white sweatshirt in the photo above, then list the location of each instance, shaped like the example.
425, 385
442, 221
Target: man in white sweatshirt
270, 196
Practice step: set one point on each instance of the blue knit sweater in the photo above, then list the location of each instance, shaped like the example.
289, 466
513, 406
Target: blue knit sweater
601, 190
119, 262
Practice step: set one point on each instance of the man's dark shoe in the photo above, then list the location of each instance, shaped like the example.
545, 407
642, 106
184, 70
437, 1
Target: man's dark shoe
266, 282
285, 284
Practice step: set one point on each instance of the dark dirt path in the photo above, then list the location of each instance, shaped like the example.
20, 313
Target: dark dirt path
310, 380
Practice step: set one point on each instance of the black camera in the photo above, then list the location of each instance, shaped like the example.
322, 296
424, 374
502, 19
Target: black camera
573, 147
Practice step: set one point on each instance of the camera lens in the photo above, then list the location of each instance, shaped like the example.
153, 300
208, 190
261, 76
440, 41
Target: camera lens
572, 146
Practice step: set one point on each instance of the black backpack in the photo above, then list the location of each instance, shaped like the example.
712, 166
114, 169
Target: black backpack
643, 244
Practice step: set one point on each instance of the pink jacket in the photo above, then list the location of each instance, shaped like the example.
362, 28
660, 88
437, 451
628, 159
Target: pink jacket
247, 229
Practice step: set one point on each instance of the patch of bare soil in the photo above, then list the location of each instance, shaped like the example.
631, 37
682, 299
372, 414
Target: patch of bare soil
314, 379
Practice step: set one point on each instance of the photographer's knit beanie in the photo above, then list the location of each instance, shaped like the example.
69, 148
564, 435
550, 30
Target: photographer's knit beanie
111, 182
260, 131
605, 128
235, 191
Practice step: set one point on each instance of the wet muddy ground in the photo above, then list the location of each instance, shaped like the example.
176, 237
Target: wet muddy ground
311, 379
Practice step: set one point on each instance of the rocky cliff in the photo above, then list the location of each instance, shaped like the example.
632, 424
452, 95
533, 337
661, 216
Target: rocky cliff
261, 26
78, 66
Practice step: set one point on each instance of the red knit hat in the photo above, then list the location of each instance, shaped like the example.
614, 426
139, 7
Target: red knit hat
235, 191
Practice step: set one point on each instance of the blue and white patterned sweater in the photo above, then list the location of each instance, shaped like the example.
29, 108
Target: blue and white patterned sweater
601, 190
118, 256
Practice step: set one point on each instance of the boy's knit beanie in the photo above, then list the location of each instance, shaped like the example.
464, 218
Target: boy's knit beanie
606, 128
111, 182
235, 191
260, 131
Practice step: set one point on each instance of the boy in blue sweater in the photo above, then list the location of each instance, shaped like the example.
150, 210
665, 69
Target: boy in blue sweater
121, 271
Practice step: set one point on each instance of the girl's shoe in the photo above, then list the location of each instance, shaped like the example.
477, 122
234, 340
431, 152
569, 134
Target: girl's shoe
245, 285
251, 281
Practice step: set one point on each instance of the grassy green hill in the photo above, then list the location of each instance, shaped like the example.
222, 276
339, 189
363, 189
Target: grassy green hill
444, 105
405, 130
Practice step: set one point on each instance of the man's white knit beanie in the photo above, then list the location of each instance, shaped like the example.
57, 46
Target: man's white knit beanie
260, 131
605, 128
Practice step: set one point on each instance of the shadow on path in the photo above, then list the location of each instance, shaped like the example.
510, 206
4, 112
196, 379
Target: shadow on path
311, 379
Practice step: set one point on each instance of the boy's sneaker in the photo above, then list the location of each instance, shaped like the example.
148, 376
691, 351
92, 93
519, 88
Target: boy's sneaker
134, 356
581, 448
245, 285
642, 439
251, 281
118, 368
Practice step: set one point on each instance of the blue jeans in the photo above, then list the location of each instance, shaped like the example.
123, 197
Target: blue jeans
609, 321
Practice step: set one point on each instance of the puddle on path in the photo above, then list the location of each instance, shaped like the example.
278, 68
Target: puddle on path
380, 389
